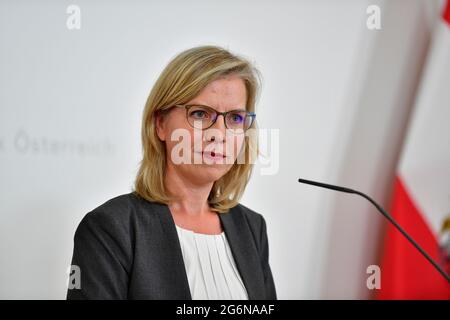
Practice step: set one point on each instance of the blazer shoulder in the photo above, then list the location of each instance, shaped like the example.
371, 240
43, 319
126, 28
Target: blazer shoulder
249, 213
254, 219
114, 214
117, 208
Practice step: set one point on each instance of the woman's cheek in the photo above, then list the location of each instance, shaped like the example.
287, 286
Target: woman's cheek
239, 145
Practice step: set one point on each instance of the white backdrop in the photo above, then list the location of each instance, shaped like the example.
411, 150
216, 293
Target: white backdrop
71, 104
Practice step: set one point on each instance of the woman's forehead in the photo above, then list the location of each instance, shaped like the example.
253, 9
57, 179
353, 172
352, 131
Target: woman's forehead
223, 95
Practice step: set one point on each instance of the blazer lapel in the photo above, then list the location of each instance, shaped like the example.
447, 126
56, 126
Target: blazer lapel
172, 256
244, 251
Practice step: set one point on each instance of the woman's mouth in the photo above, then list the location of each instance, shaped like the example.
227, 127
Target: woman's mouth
213, 155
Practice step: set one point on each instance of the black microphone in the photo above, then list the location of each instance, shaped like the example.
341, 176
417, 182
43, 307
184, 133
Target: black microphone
385, 214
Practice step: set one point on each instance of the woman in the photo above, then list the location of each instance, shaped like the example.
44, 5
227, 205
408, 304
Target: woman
182, 234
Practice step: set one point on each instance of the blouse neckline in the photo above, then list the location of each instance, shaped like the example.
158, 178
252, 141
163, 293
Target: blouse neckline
200, 234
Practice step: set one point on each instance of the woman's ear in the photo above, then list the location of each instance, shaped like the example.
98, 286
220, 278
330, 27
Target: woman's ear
160, 125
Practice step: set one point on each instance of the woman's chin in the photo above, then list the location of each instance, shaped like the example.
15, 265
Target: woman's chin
209, 173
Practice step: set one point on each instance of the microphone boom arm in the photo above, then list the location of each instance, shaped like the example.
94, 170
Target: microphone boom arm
386, 215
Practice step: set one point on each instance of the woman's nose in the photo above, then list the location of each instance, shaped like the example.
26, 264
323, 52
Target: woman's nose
219, 125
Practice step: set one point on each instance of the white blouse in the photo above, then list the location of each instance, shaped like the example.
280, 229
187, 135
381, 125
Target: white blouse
210, 267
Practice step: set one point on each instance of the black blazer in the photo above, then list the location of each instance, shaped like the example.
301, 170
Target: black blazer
128, 248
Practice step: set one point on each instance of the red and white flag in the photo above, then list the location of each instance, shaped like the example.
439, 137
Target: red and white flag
421, 199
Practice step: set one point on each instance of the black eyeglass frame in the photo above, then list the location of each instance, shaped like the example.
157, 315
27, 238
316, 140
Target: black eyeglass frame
252, 115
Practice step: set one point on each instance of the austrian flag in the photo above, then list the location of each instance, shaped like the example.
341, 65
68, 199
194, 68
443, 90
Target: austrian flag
421, 199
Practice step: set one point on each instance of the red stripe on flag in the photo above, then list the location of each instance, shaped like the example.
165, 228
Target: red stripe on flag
405, 273
446, 14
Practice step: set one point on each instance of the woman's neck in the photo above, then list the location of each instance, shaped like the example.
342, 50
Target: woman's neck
190, 198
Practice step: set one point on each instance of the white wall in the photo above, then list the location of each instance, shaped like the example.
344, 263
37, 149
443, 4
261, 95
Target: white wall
71, 102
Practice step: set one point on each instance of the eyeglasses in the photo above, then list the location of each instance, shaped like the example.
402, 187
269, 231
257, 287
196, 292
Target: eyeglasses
204, 117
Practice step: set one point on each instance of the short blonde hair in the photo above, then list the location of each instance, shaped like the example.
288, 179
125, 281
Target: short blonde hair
182, 80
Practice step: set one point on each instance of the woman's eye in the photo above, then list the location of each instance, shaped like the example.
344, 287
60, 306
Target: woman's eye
236, 118
199, 114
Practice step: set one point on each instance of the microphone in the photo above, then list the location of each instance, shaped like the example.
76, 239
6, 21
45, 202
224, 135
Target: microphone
385, 214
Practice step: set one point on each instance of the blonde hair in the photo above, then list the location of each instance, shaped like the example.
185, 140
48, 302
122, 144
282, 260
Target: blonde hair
182, 80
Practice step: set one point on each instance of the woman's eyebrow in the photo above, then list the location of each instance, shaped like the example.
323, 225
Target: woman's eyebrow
207, 105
